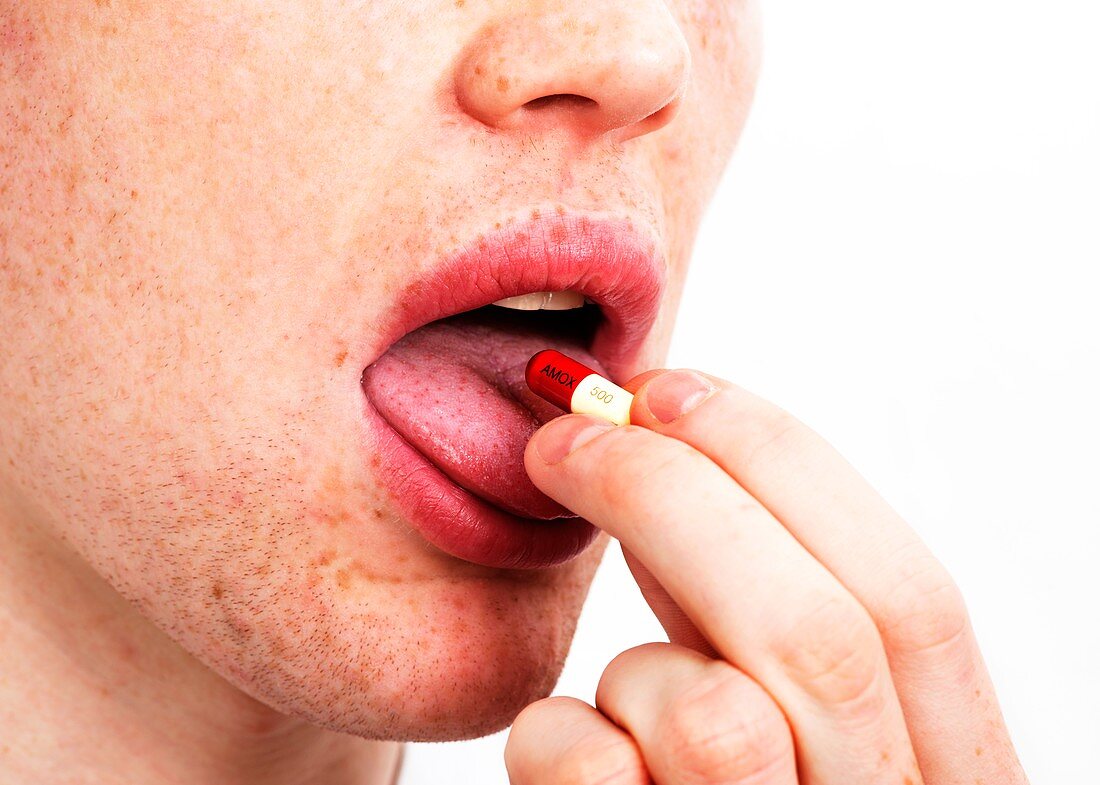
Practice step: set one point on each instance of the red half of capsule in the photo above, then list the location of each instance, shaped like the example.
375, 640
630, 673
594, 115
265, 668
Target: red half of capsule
553, 376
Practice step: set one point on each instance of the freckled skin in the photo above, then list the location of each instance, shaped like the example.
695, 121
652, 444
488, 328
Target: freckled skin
206, 212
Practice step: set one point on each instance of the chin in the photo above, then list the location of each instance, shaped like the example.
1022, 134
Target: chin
445, 657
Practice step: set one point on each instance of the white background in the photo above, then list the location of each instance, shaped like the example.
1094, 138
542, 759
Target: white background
904, 253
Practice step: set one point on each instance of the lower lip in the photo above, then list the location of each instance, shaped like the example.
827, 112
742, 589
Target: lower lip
459, 523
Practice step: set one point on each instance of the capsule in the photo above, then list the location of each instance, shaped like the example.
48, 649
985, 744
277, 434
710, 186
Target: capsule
575, 387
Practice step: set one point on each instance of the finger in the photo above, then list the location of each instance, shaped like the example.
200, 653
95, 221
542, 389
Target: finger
678, 625
759, 597
697, 720
564, 741
805, 483
634, 384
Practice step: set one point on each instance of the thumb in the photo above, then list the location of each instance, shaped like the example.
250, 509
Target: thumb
678, 626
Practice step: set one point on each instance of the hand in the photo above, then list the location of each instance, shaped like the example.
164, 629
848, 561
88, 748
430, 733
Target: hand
813, 638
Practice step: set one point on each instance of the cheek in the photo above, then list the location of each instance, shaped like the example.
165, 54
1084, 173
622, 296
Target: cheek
724, 38
172, 290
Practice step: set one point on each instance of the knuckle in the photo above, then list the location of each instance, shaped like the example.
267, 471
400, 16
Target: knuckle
593, 757
601, 760
627, 673
925, 612
623, 663
532, 715
836, 656
723, 729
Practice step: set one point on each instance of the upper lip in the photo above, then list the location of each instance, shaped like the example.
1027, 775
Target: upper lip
607, 260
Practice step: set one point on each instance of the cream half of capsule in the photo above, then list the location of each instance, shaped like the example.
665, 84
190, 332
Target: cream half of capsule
599, 397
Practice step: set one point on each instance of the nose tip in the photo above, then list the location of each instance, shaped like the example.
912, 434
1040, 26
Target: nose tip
615, 69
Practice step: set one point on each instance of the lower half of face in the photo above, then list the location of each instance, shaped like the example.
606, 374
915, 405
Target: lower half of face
256, 379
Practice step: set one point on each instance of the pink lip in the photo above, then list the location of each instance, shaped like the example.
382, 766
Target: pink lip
606, 260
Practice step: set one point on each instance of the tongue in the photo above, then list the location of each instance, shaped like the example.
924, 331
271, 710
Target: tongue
454, 390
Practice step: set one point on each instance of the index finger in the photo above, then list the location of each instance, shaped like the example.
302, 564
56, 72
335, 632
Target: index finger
839, 518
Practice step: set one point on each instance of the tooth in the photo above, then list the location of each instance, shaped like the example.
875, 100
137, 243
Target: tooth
543, 301
563, 301
523, 302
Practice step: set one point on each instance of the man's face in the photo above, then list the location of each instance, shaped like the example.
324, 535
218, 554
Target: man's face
219, 222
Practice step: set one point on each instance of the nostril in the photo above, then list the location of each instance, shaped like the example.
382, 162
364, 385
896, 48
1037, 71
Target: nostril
560, 100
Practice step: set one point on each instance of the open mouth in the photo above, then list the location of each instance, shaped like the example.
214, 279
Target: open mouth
448, 399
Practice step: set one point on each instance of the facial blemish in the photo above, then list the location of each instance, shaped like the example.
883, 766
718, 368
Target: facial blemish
333, 481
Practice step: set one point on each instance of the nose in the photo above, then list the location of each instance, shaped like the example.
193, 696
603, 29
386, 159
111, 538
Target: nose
616, 68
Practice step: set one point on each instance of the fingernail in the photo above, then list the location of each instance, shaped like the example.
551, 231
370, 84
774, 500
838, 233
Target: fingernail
672, 395
565, 434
